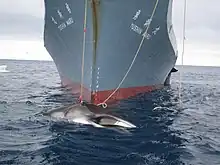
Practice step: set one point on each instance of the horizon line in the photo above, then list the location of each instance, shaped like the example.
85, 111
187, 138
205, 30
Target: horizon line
40, 60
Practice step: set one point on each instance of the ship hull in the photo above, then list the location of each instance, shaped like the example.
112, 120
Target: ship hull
114, 32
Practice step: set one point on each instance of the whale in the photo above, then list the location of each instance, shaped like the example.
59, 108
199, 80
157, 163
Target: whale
89, 114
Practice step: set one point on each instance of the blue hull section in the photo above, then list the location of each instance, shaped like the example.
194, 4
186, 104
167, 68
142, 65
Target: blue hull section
114, 32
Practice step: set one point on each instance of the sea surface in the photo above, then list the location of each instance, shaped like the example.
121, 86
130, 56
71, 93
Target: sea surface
170, 130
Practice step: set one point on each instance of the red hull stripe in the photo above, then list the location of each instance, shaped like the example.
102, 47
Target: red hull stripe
100, 96
122, 93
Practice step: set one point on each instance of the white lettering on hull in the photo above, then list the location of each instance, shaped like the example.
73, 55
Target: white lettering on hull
65, 24
68, 8
137, 15
142, 31
136, 29
69, 21
62, 26
54, 21
63, 17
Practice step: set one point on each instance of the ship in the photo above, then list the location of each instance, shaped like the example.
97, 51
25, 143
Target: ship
110, 50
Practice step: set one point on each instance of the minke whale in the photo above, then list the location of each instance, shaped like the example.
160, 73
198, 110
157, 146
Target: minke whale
88, 114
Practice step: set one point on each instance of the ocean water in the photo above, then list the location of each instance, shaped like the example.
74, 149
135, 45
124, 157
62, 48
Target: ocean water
168, 133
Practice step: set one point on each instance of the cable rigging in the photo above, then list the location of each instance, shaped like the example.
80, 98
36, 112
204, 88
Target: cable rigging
83, 52
104, 105
183, 51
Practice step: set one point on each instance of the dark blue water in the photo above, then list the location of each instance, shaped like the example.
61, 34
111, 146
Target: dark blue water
168, 132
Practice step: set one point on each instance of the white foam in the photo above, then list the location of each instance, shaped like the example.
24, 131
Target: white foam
3, 68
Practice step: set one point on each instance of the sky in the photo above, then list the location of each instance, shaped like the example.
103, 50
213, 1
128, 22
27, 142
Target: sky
22, 22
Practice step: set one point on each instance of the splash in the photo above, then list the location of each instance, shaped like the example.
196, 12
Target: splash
3, 68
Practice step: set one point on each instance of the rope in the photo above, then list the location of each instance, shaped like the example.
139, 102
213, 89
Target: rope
83, 52
137, 52
183, 47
